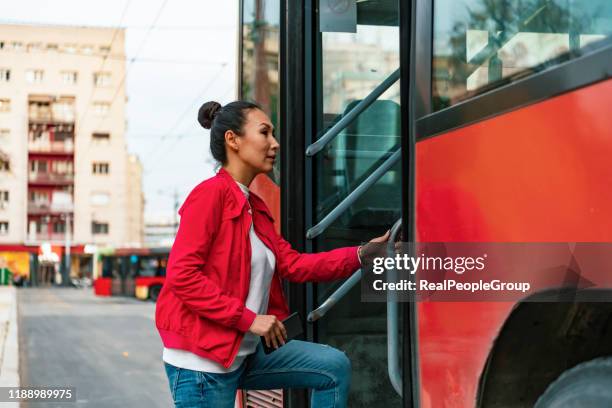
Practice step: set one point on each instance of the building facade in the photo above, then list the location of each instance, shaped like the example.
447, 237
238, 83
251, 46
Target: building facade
65, 173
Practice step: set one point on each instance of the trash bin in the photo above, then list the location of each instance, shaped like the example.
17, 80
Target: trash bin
5, 276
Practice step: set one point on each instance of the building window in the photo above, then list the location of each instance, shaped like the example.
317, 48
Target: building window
34, 47
69, 77
101, 136
17, 46
4, 198
5, 105
101, 108
70, 48
52, 47
102, 78
4, 136
100, 198
59, 227
63, 109
87, 49
5, 75
99, 227
100, 168
105, 49
4, 164
38, 166
39, 197
34, 76
4, 227
1, 45
62, 167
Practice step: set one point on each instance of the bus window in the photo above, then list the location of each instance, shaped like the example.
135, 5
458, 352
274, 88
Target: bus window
162, 266
107, 266
481, 44
259, 71
148, 266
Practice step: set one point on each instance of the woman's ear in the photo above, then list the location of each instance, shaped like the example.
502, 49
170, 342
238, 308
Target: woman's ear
231, 139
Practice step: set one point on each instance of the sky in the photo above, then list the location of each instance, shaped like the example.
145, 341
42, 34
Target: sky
197, 40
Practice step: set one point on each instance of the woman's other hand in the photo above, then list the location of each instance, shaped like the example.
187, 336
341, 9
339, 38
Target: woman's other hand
271, 328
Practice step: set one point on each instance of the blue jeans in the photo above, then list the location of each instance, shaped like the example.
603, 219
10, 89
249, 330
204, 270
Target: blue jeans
297, 364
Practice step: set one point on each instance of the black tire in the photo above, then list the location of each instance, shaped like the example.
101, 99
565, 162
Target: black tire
588, 384
154, 292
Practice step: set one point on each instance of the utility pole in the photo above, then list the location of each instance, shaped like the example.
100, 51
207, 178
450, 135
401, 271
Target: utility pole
66, 277
176, 205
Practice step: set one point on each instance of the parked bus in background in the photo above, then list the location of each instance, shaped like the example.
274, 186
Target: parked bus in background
138, 272
471, 121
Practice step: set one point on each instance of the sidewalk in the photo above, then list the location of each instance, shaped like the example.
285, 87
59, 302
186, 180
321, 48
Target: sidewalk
9, 345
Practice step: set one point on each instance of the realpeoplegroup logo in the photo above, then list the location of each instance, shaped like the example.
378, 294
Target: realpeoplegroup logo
485, 271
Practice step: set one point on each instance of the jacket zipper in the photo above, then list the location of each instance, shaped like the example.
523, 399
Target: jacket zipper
240, 335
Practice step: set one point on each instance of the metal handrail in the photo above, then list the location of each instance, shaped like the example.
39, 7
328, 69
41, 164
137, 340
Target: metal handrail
334, 297
318, 229
347, 119
393, 366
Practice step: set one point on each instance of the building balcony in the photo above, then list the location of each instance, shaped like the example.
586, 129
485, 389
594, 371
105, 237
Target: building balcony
40, 115
40, 208
50, 178
40, 237
46, 146
46, 116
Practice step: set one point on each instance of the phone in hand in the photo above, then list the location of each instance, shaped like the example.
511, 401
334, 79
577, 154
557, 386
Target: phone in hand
293, 325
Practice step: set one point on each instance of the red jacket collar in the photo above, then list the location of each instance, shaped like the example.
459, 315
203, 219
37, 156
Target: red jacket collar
257, 203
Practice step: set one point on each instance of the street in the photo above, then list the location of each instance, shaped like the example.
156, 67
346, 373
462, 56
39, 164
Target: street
107, 348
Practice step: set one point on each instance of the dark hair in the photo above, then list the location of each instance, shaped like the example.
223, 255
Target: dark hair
219, 119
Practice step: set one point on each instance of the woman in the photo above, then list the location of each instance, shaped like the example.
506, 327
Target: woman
223, 283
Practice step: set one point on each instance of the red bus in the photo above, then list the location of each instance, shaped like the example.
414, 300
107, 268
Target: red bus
471, 121
138, 272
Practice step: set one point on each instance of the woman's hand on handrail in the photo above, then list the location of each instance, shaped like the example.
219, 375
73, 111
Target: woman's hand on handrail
271, 328
363, 249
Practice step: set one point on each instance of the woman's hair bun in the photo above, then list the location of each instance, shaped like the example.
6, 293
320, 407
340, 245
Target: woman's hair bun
207, 113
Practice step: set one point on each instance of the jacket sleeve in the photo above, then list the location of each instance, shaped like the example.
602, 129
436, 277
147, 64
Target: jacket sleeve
319, 267
200, 220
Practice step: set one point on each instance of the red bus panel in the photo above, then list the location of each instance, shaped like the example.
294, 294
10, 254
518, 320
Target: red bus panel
540, 173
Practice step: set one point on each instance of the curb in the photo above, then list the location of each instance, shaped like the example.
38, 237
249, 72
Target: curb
9, 343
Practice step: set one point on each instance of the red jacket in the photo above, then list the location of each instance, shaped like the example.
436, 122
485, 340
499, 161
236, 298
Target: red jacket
201, 307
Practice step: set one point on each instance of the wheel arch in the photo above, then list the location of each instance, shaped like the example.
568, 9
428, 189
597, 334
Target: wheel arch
539, 341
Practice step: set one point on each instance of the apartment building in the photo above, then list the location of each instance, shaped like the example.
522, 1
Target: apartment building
64, 165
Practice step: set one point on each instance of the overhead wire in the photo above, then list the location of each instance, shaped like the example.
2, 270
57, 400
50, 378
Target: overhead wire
131, 62
93, 90
178, 121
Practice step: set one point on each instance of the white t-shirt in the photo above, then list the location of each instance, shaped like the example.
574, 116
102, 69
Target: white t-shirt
262, 270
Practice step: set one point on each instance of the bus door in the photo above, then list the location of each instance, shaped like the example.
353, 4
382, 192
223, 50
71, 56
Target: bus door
122, 272
353, 189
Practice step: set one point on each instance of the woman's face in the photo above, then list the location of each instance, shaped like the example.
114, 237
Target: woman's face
257, 147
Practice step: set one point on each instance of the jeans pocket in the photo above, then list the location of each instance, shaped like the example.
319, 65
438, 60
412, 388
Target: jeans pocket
213, 380
173, 374
219, 389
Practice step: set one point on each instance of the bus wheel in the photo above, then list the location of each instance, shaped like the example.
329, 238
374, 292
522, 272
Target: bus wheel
154, 292
586, 385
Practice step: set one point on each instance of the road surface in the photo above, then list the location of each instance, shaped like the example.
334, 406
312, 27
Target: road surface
108, 348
